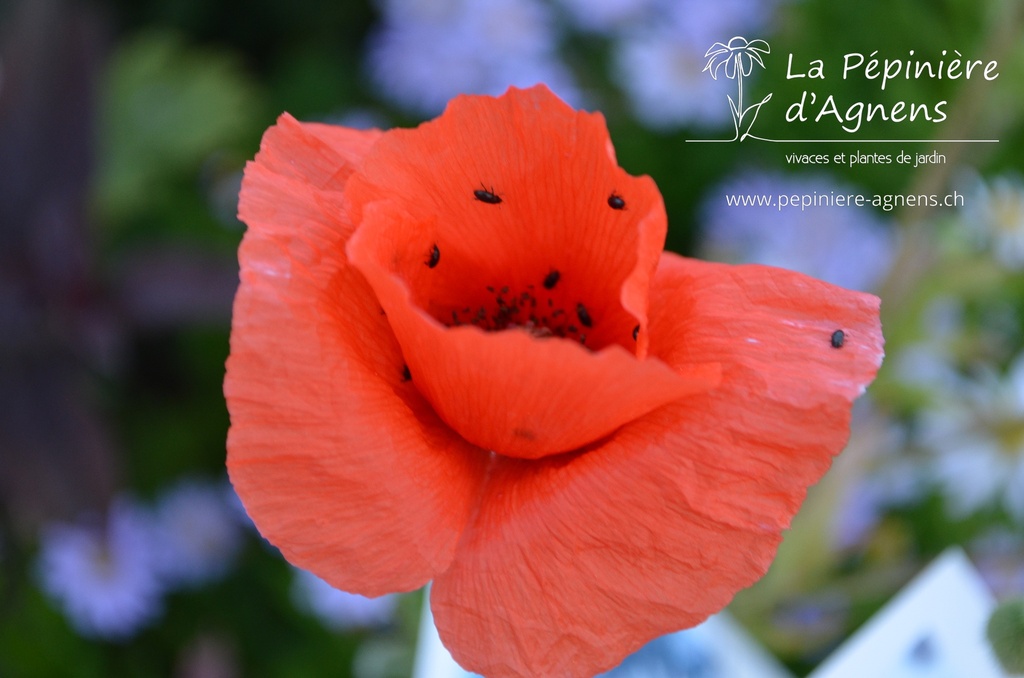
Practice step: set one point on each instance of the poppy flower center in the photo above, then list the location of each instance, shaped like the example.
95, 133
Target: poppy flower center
524, 311
537, 310
557, 290
517, 277
520, 356
514, 274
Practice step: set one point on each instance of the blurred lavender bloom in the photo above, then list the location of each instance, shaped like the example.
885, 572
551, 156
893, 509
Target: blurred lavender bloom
857, 515
929, 364
339, 610
606, 16
808, 625
662, 76
103, 578
199, 532
512, 27
901, 481
994, 213
237, 508
846, 246
897, 481
660, 63
874, 474
426, 53
973, 432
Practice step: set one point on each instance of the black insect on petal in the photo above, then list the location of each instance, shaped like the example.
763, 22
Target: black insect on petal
581, 313
838, 337
406, 374
551, 279
616, 202
435, 256
636, 332
487, 196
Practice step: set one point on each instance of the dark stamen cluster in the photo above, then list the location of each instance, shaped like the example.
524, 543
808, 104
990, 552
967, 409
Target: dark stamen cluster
529, 310
537, 315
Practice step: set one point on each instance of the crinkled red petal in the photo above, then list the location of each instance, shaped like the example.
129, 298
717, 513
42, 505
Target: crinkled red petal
511, 216
337, 458
574, 562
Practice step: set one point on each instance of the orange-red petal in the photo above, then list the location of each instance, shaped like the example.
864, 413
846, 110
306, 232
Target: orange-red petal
574, 562
337, 458
554, 170
510, 391
446, 263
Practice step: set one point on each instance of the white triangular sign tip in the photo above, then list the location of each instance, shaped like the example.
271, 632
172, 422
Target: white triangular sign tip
933, 628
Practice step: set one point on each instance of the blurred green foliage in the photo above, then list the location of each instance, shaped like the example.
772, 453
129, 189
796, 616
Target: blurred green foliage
166, 108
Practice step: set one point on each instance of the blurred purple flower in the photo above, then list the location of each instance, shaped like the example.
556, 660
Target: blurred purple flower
339, 610
662, 76
103, 577
809, 623
994, 215
846, 246
974, 434
426, 53
874, 474
930, 364
199, 532
660, 62
607, 16
857, 515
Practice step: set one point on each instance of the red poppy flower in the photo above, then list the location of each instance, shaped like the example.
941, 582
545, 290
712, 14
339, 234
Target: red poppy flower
459, 354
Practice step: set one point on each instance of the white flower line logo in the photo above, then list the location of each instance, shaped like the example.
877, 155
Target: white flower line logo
738, 57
